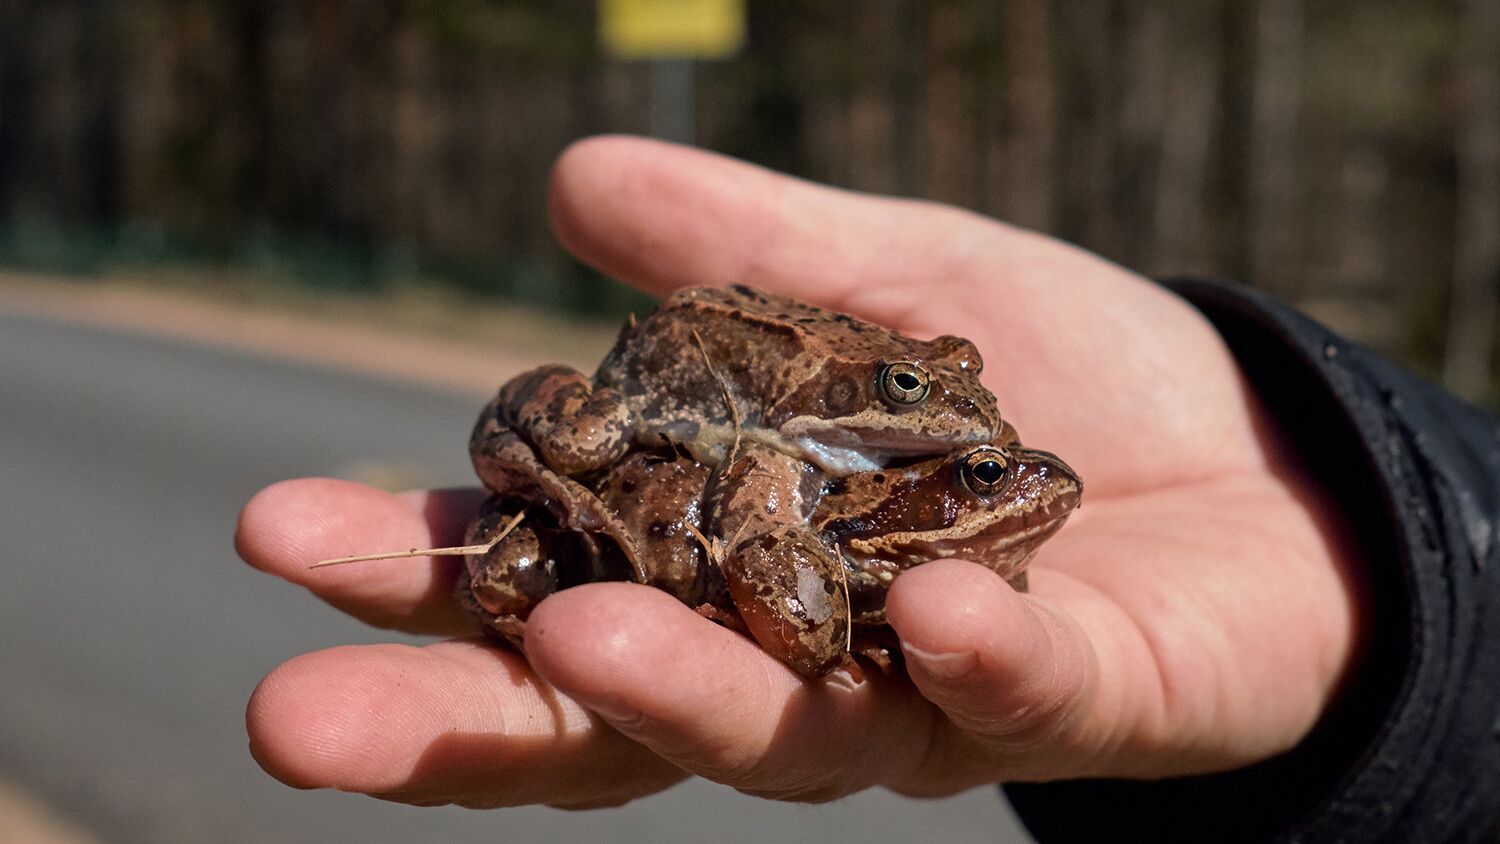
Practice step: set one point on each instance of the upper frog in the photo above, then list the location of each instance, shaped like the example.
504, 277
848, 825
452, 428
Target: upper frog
843, 394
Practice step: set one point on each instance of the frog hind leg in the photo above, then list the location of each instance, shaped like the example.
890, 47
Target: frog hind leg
511, 469
786, 581
574, 427
790, 593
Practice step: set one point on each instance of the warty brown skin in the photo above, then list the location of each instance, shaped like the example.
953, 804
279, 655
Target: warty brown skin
777, 396
712, 367
803, 380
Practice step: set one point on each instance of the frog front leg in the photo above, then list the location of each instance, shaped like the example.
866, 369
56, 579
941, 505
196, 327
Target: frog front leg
786, 581
574, 427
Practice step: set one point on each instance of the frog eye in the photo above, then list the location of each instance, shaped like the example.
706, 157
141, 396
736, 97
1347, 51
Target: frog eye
904, 382
984, 470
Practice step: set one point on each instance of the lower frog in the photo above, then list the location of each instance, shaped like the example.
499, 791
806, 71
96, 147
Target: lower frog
993, 504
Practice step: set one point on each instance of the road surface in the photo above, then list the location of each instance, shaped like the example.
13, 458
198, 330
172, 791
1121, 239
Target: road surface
132, 636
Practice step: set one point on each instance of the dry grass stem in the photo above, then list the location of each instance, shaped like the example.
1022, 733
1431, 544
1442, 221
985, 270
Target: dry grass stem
457, 551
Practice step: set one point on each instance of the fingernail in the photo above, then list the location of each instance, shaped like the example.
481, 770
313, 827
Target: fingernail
945, 666
618, 714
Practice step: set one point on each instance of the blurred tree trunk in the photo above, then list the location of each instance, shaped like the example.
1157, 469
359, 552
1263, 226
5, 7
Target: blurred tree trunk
1191, 117
411, 132
1276, 100
15, 62
948, 155
906, 95
1476, 271
1364, 181
1142, 111
1089, 142
872, 113
1021, 161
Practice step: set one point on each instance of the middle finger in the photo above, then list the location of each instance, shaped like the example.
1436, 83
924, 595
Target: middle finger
455, 722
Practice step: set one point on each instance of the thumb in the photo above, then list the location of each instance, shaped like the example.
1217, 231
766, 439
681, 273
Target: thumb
1004, 667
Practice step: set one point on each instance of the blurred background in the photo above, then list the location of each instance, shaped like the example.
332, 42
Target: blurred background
241, 241
1343, 154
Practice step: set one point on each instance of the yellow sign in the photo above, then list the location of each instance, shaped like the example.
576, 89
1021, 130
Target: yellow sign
663, 29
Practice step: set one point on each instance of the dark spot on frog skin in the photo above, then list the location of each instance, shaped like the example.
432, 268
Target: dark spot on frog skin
750, 293
841, 396
856, 526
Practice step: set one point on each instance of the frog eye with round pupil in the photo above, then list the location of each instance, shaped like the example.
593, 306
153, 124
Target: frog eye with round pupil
904, 383
984, 471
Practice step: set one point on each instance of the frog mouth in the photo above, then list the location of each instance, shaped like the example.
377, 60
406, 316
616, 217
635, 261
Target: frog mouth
843, 458
1003, 545
857, 444
837, 459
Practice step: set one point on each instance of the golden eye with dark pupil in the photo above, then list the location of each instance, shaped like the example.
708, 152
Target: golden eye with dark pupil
904, 383
984, 471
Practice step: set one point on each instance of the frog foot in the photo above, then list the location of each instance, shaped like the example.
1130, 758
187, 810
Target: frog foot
510, 628
509, 579
574, 427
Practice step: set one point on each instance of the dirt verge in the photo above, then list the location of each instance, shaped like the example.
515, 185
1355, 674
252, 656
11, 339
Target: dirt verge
443, 340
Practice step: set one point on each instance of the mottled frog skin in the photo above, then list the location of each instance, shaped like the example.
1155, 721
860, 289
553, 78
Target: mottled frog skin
838, 392
993, 504
769, 462
715, 366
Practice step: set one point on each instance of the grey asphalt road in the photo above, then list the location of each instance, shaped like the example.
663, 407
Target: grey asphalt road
131, 636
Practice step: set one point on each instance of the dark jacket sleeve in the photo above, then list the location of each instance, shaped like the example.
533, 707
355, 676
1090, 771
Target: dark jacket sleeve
1410, 749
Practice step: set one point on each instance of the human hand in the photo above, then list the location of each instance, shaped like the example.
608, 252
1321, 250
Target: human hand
1195, 615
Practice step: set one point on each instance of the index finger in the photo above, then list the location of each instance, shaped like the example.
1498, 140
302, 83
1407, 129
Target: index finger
289, 526
662, 217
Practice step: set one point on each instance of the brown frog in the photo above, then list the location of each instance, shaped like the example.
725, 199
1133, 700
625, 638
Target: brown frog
568, 536
744, 381
712, 367
994, 504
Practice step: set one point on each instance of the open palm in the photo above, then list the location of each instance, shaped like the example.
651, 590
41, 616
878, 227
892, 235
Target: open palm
1195, 615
